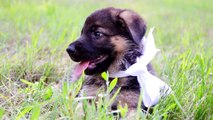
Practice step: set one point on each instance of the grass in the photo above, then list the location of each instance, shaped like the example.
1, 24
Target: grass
34, 36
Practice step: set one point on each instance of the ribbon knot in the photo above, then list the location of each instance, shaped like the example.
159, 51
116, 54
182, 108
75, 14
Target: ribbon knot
152, 87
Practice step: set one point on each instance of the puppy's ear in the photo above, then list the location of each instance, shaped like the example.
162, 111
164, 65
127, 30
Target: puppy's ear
133, 23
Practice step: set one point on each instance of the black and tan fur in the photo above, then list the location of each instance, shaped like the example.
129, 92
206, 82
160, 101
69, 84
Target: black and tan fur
116, 33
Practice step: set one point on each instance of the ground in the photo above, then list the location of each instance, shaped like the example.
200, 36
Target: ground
34, 36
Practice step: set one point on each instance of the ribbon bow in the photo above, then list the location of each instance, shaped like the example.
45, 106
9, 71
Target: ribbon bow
152, 87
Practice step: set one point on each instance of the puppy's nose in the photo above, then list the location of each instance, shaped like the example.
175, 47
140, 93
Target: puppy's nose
71, 50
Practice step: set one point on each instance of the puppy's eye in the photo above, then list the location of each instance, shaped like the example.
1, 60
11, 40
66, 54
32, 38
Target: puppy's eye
98, 34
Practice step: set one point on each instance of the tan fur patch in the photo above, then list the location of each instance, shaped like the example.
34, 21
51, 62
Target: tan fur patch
121, 46
122, 81
127, 97
120, 43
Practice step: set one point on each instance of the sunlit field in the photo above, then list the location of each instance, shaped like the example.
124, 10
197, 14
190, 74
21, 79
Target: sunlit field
34, 36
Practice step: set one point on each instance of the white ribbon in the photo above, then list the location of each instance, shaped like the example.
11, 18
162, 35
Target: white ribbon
153, 88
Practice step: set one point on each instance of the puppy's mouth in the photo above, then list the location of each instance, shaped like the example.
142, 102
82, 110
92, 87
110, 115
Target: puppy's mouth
89, 65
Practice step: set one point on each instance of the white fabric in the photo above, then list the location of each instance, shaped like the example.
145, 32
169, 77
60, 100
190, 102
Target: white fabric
153, 88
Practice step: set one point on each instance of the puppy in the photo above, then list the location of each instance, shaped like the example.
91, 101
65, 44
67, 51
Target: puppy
110, 41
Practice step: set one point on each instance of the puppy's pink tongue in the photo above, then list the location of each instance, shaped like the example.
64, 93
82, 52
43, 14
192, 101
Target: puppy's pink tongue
80, 68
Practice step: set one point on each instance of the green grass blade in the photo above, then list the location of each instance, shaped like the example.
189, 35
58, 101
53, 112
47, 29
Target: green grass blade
35, 112
2, 111
113, 84
23, 112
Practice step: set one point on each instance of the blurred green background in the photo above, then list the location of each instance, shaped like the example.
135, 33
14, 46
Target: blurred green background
34, 36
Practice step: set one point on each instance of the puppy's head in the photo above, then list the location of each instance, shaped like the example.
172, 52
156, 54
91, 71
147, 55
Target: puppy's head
106, 34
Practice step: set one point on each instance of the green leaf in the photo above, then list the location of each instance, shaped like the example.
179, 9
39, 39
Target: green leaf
23, 112
35, 112
113, 97
123, 110
113, 84
139, 107
41, 84
27, 82
1, 113
170, 107
178, 104
78, 84
48, 93
65, 89
104, 75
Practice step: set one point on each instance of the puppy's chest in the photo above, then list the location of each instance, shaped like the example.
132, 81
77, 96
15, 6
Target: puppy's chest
94, 85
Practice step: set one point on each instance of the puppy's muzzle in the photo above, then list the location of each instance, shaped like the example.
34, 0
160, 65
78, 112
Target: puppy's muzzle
73, 51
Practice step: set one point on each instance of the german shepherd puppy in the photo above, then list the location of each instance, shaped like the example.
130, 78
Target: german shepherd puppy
110, 41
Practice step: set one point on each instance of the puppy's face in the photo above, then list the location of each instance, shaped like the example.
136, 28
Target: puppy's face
106, 34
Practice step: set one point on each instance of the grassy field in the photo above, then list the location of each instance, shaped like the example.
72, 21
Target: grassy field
34, 36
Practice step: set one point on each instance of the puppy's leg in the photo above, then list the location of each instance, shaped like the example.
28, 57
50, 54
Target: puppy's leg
129, 98
80, 111
131, 114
